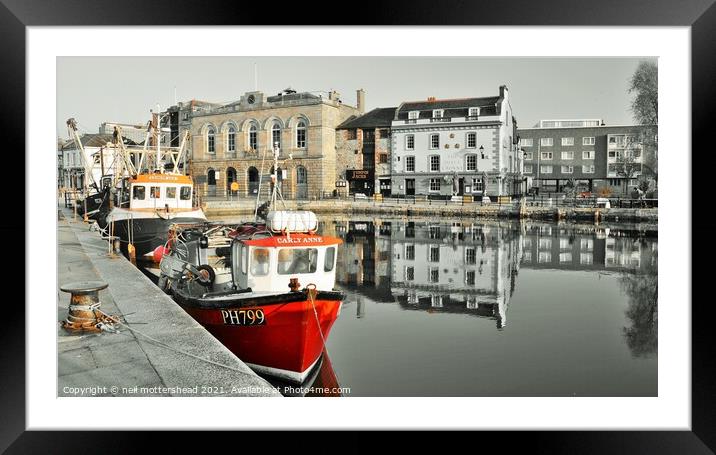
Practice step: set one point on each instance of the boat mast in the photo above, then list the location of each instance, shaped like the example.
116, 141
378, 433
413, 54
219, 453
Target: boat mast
155, 121
274, 175
274, 178
72, 129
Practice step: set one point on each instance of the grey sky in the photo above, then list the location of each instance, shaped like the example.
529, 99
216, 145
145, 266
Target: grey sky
123, 89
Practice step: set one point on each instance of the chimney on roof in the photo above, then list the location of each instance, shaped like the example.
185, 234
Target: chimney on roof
360, 100
431, 99
504, 92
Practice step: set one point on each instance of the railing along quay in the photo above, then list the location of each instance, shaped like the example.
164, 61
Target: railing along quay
544, 200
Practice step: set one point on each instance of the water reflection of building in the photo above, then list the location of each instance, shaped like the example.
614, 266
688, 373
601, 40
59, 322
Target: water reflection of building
364, 262
455, 267
587, 247
470, 268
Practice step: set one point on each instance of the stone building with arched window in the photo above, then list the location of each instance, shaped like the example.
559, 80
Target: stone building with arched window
233, 143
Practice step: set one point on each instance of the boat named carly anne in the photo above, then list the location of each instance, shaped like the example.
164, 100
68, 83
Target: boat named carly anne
276, 305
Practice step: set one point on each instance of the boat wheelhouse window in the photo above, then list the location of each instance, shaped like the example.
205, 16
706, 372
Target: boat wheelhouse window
244, 258
171, 192
154, 192
259, 262
297, 260
138, 192
185, 194
330, 259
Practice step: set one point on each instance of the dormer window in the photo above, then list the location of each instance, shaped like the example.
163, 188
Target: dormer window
413, 115
438, 113
473, 112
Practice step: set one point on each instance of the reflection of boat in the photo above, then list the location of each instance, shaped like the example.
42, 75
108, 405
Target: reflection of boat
321, 382
277, 309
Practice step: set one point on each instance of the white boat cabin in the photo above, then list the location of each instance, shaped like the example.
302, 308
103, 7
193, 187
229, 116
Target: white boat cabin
268, 264
161, 191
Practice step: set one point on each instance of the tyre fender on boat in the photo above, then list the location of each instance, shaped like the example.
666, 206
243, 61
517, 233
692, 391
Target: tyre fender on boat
206, 279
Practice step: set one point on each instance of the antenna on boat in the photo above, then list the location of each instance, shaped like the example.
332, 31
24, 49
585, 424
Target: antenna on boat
274, 177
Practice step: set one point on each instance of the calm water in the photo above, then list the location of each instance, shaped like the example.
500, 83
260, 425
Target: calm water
495, 309
460, 308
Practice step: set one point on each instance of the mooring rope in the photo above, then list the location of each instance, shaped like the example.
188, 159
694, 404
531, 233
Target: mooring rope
172, 348
311, 290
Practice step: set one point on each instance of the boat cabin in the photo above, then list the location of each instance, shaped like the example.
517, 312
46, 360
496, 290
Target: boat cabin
161, 191
268, 264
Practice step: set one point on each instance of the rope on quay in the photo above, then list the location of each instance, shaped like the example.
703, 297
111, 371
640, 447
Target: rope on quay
172, 348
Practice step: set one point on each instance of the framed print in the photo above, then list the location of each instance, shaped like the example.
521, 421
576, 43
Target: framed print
459, 203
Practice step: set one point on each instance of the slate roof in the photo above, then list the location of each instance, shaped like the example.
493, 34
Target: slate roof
94, 140
379, 117
292, 97
452, 107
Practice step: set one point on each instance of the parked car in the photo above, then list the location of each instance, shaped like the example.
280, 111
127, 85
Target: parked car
584, 194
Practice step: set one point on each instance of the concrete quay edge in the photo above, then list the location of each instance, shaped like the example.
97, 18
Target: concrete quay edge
162, 319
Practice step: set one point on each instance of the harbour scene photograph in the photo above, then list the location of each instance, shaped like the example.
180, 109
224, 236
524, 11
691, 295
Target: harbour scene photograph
357, 226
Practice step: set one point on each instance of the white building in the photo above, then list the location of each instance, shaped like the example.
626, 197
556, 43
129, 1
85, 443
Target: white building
459, 146
99, 155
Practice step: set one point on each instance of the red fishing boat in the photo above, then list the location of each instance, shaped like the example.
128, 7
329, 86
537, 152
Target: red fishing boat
269, 297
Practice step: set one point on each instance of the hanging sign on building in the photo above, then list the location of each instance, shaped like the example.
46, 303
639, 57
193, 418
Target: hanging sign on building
359, 174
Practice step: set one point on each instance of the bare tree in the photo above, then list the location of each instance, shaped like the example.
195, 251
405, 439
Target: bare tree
645, 108
644, 82
628, 168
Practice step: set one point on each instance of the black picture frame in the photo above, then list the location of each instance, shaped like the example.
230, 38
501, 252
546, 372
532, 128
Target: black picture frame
700, 15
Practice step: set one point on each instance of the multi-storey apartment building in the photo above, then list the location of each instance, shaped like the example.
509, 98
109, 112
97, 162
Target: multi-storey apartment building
230, 142
363, 149
451, 147
587, 151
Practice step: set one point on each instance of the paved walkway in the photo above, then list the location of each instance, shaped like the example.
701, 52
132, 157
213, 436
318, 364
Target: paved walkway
128, 364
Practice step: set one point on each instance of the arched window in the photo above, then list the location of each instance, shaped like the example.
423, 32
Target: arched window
301, 175
230, 177
211, 140
211, 182
253, 138
253, 175
301, 183
276, 135
301, 135
232, 139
